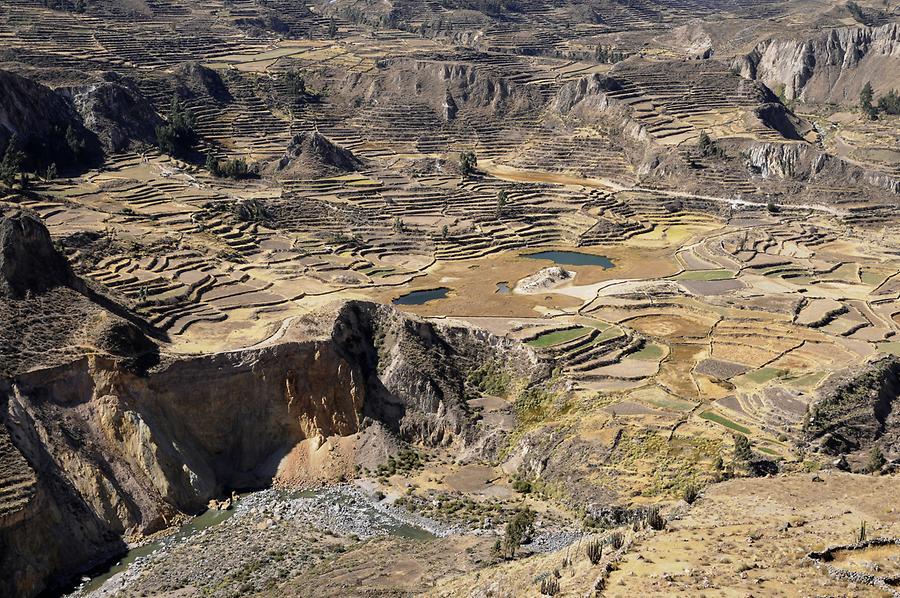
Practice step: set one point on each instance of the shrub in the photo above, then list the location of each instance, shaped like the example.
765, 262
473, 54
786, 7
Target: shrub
594, 551
889, 103
709, 148
521, 485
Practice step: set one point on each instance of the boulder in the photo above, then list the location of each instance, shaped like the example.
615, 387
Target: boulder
29, 263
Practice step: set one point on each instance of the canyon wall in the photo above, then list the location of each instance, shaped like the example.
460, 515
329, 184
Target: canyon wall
831, 67
117, 455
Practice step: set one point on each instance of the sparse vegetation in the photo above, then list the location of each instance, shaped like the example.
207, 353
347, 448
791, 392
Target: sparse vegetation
491, 378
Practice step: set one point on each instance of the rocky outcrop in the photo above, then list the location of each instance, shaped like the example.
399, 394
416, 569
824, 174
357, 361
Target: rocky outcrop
313, 154
193, 80
118, 454
804, 162
29, 263
585, 95
856, 410
116, 112
46, 126
830, 67
543, 280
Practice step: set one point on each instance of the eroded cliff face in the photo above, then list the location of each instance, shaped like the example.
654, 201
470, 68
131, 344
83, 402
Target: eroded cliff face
804, 162
831, 67
118, 454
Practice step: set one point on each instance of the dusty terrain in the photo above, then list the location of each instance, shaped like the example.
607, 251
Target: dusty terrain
455, 259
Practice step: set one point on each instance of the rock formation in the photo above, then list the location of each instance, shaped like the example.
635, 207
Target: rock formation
116, 112
29, 263
314, 154
830, 67
47, 127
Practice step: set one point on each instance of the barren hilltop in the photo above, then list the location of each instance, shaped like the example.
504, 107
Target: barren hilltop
485, 298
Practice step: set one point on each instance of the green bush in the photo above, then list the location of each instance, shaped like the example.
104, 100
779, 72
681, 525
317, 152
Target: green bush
518, 531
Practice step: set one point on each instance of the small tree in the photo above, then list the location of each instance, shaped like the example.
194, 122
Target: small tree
445, 231
177, 137
50, 173
742, 450
889, 103
467, 163
876, 460
75, 142
772, 207
518, 531
11, 165
212, 165
866, 96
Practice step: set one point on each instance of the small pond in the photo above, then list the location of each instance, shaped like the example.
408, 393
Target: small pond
503, 288
572, 258
420, 297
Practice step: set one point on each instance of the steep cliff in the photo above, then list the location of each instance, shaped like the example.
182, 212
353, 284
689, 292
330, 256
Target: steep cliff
118, 454
831, 67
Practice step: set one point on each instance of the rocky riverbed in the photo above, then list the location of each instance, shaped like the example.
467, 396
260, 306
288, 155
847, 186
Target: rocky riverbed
272, 536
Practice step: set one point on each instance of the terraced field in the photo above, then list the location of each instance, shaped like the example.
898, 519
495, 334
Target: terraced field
739, 241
